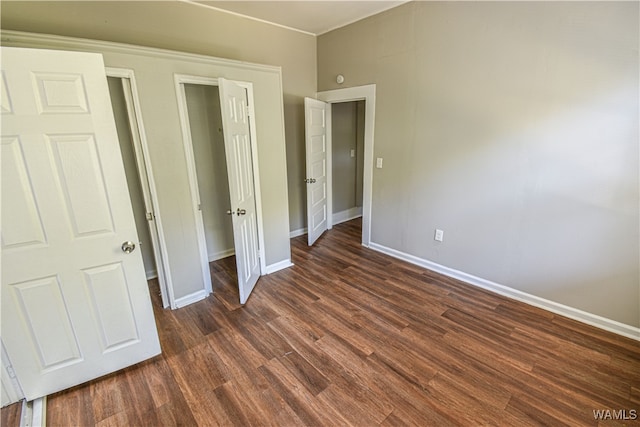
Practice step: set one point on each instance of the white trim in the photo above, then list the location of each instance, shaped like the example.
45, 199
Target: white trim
328, 138
34, 413
298, 30
552, 306
298, 232
49, 41
187, 145
147, 182
353, 21
252, 18
221, 254
191, 298
39, 411
368, 94
272, 268
347, 215
151, 274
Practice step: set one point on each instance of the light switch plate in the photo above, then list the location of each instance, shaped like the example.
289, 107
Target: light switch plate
379, 162
353, 152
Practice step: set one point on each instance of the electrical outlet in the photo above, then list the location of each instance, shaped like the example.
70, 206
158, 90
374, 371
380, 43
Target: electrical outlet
353, 152
439, 236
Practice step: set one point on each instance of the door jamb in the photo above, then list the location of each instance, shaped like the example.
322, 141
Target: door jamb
146, 178
365, 93
180, 80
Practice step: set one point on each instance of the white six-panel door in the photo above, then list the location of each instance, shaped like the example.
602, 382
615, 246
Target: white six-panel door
237, 144
75, 306
315, 120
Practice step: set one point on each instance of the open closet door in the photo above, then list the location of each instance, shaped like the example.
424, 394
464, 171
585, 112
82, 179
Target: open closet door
75, 301
315, 121
237, 143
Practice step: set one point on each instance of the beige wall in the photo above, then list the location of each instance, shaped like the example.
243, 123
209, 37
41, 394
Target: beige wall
185, 27
512, 126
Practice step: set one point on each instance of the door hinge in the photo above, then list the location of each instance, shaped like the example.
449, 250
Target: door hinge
150, 216
11, 371
199, 207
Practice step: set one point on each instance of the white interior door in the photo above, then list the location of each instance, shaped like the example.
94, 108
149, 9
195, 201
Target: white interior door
237, 143
75, 304
315, 120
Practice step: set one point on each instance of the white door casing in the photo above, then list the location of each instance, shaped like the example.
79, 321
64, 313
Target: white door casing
367, 94
75, 306
237, 142
315, 120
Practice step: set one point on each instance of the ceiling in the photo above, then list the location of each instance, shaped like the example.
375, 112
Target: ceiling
309, 16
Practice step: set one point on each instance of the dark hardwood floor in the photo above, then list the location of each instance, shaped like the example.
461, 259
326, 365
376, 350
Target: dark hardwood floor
349, 336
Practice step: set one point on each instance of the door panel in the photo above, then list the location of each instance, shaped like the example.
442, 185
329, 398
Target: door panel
111, 306
316, 163
18, 202
44, 314
80, 182
237, 142
75, 306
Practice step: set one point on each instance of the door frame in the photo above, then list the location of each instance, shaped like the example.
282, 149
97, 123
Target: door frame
180, 80
365, 93
147, 182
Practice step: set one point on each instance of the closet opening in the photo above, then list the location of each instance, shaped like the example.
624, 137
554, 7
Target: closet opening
141, 186
207, 138
219, 137
347, 160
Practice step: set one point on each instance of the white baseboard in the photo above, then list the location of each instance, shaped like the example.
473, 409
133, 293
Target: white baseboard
221, 254
346, 215
191, 298
336, 218
298, 232
552, 306
151, 274
272, 268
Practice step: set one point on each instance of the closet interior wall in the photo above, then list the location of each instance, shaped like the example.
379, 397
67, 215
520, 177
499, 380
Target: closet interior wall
347, 155
125, 139
205, 124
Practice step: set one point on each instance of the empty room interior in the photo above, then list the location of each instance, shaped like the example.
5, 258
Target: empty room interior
320, 213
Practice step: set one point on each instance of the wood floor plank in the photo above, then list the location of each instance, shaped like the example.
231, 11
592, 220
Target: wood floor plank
349, 336
309, 409
197, 372
412, 405
109, 396
305, 373
10, 414
369, 397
